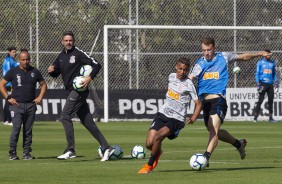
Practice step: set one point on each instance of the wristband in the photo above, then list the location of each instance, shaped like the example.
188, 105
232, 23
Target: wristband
8, 97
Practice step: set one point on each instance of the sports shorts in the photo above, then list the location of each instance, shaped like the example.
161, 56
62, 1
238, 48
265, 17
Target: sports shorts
214, 106
174, 125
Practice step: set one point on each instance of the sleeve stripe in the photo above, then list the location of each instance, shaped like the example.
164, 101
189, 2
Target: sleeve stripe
94, 61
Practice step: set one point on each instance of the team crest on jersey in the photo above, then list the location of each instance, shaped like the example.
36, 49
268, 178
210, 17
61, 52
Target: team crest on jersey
32, 74
72, 59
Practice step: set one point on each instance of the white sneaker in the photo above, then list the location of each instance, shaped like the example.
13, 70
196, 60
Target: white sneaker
8, 123
241, 150
107, 154
67, 155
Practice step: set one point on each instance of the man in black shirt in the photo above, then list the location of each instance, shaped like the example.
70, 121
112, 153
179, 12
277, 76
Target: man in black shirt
23, 102
68, 64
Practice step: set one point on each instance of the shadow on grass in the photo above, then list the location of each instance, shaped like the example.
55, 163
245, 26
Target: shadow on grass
55, 157
219, 169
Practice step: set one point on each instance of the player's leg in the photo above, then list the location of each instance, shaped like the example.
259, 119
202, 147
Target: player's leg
69, 108
257, 107
270, 95
27, 130
156, 125
14, 137
87, 120
213, 126
157, 139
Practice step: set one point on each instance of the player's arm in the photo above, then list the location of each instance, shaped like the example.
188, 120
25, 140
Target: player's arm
197, 111
3, 82
6, 66
87, 60
43, 89
54, 70
96, 66
248, 56
3, 89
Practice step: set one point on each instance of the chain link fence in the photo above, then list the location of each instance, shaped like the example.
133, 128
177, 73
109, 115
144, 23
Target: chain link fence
140, 59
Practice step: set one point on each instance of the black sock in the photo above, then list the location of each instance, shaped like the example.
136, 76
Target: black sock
207, 155
152, 160
237, 144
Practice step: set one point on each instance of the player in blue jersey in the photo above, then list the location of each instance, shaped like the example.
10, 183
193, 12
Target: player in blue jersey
172, 115
266, 80
9, 62
212, 73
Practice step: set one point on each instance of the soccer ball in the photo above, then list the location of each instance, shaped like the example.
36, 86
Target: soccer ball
198, 162
117, 153
138, 151
77, 84
85, 70
236, 70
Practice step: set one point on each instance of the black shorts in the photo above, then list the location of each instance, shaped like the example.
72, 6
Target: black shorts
214, 106
174, 125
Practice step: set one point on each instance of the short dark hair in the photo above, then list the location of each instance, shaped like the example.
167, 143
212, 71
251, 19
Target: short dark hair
23, 50
208, 41
184, 60
68, 33
11, 48
267, 50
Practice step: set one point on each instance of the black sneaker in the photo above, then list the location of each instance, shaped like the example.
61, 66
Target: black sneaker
27, 156
13, 156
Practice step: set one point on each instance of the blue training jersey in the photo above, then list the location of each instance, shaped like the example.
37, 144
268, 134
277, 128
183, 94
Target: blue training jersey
212, 74
9, 63
265, 72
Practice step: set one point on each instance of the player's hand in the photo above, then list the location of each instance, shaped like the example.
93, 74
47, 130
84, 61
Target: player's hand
87, 81
51, 69
276, 87
189, 120
259, 87
37, 100
13, 101
264, 53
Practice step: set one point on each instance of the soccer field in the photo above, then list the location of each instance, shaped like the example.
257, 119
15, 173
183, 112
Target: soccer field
263, 164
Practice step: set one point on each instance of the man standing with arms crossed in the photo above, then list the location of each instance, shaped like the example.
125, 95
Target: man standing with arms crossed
23, 102
212, 73
68, 64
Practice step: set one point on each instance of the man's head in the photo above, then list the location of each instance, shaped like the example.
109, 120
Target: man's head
268, 56
24, 59
68, 40
11, 51
182, 67
208, 48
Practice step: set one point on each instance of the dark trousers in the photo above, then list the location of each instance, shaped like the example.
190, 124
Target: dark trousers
267, 88
6, 112
24, 114
76, 103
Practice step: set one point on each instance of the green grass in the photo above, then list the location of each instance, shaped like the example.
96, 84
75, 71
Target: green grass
263, 164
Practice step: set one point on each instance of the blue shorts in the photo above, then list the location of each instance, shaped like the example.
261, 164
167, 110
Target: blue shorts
174, 125
214, 106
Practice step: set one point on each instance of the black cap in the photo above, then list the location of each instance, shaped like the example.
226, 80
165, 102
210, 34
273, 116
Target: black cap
268, 51
11, 48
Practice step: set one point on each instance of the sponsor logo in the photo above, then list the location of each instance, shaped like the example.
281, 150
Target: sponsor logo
211, 75
172, 94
